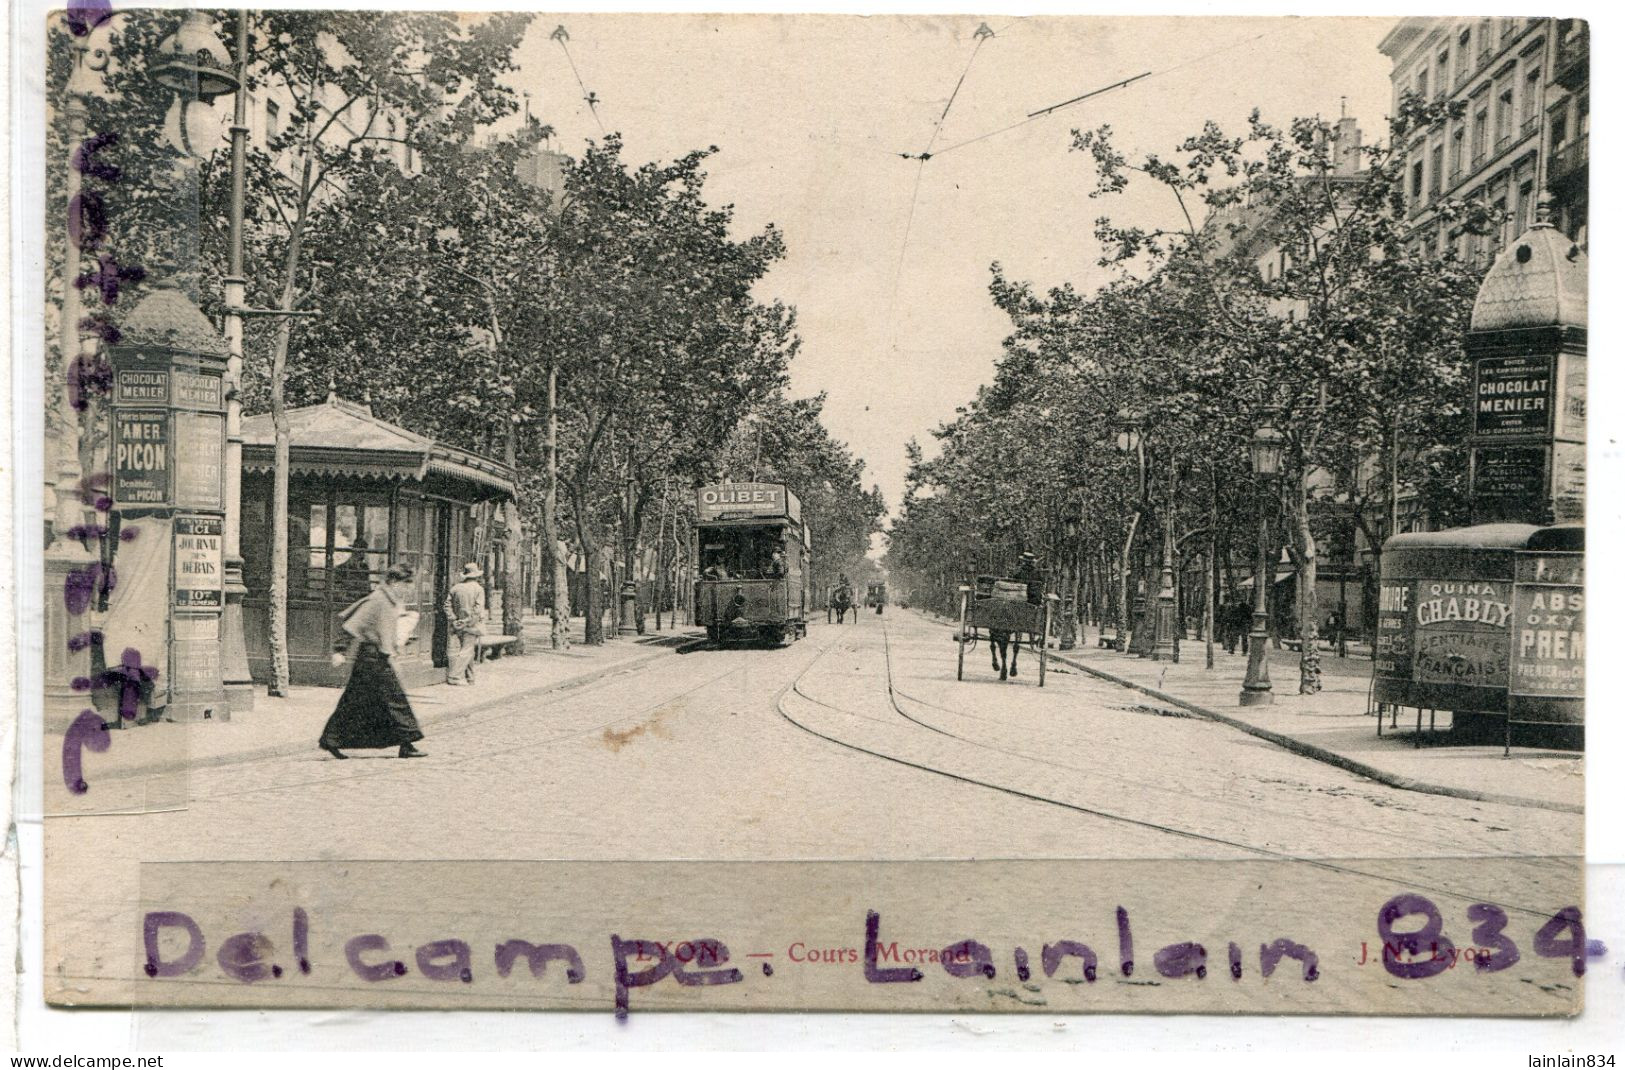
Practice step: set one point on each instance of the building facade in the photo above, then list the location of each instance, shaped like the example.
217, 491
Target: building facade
1523, 90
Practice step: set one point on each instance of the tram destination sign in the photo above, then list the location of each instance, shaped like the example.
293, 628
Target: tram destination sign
731, 501
1512, 396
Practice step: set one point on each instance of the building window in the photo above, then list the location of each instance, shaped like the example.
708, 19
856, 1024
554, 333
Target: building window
273, 116
1531, 100
1436, 173
1416, 183
1481, 135
1503, 117
1464, 55
1486, 29
1458, 151
1500, 207
1443, 73
1558, 122
1422, 84
1526, 204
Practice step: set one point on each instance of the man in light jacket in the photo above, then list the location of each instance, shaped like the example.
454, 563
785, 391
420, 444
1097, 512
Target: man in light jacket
465, 612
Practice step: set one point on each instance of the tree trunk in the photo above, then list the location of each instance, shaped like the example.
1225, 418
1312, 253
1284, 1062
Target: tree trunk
1308, 629
278, 616
559, 632
593, 626
513, 554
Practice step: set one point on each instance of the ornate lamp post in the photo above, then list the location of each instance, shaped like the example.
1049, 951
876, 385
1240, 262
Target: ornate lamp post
1163, 648
1129, 441
1070, 523
1266, 456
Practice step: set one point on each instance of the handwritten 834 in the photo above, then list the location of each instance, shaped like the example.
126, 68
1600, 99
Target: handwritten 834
1414, 954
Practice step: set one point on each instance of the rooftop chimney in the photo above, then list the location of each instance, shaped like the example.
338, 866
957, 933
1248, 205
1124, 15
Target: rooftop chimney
1346, 147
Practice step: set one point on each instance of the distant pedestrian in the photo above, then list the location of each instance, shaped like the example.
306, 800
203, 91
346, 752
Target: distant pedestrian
465, 614
373, 710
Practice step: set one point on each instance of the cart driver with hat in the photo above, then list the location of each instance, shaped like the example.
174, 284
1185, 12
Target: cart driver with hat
465, 613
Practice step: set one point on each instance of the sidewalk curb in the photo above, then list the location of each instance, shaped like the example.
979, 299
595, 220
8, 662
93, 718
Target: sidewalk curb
1307, 750
1321, 754
277, 750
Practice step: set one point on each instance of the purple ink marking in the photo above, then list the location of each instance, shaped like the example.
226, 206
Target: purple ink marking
103, 327
91, 486
1235, 961
156, 966
1125, 942
1431, 935
1270, 956
1549, 943
87, 532
85, 15
128, 534
626, 980
133, 680
84, 157
767, 969
967, 959
87, 220
1054, 953
1023, 973
356, 946
871, 958
108, 276
1181, 960
301, 938
83, 585
83, 641
276, 971
537, 956
1493, 951
431, 961
86, 732
242, 957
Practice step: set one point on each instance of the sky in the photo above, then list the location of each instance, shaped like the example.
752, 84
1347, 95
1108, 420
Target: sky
889, 259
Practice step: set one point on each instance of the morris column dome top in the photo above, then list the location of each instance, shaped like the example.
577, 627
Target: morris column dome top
1537, 281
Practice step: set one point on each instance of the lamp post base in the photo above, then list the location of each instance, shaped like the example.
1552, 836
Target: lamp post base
1264, 697
629, 611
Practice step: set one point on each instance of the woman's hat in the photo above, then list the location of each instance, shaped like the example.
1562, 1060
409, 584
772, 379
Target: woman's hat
471, 571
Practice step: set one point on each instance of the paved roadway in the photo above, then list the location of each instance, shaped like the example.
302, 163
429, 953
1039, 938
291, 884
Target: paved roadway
856, 743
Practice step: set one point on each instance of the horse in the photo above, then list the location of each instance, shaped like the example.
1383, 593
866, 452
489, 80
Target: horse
1005, 648
842, 602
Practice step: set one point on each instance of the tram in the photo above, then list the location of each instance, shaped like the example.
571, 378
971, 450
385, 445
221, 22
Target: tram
755, 562
876, 598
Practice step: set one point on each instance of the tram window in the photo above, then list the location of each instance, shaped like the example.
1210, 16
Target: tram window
741, 553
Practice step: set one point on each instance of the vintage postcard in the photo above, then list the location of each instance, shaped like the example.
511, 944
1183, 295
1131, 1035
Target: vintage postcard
814, 513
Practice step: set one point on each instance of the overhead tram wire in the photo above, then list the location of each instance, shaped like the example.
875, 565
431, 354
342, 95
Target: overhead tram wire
562, 36
982, 35
1142, 77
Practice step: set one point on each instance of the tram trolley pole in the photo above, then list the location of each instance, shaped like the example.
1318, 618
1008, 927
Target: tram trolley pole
964, 598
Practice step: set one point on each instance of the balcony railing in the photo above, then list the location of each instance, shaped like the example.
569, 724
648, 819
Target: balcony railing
1502, 142
1529, 125
1569, 159
1484, 57
1478, 160
1573, 61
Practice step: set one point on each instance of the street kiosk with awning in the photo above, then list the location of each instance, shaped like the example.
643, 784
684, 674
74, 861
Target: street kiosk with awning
363, 493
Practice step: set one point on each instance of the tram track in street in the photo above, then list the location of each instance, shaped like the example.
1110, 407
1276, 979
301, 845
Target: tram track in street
796, 687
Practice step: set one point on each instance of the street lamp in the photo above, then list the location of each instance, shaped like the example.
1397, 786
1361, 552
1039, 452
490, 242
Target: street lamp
1069, 608
1266, 456
1163, 648
1129, 441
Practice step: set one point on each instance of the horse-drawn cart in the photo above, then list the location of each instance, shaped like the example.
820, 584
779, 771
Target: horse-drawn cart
1001, 610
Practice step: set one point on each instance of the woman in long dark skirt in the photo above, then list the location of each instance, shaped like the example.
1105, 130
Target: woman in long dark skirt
373, 711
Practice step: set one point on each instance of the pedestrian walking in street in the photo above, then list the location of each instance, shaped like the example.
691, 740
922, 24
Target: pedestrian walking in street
465, 615
373, 710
